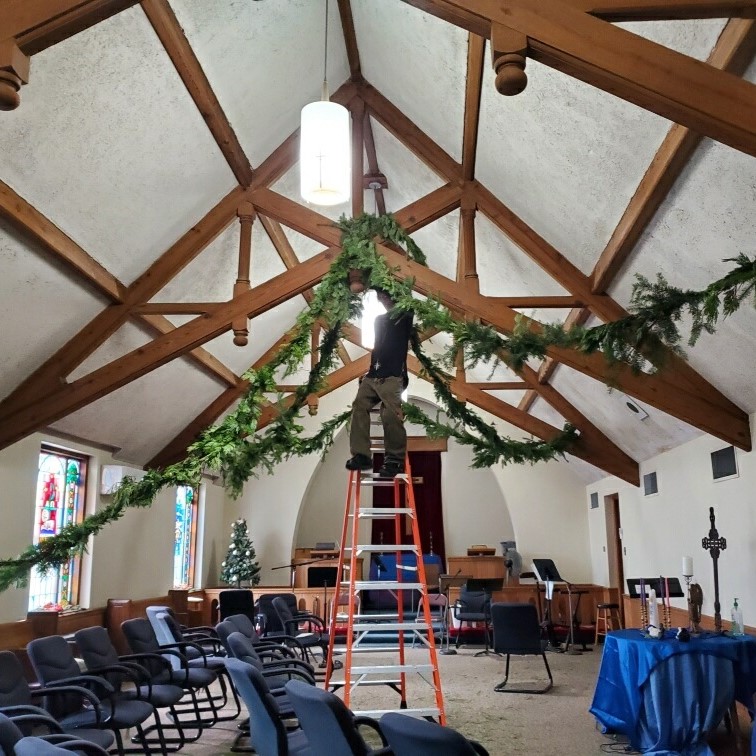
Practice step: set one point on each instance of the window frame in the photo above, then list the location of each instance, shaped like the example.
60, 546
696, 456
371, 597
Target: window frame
193, 539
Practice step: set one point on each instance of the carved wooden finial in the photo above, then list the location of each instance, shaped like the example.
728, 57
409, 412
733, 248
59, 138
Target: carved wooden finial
509, 50
14, 71
312, 404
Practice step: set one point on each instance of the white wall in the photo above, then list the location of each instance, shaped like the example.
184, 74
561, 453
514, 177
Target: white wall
542, 507
659, 530
131, 558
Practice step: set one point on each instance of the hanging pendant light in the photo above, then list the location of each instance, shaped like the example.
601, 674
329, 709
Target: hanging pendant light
325, 152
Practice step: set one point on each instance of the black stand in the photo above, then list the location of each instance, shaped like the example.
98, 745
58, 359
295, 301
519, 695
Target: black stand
488, 586
547, 572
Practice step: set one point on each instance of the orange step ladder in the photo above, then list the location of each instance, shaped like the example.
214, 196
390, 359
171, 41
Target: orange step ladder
360, 626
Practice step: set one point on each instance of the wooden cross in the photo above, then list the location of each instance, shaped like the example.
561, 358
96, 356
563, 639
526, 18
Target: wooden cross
715, 545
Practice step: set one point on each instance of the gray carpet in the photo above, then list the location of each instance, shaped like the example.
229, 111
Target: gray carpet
557, 722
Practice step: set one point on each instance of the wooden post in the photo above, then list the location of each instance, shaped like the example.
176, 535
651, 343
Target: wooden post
14, 71
509, 49
358, 168
246, 215
467, 273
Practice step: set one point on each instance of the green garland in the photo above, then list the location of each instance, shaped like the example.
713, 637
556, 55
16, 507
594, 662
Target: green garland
231, 449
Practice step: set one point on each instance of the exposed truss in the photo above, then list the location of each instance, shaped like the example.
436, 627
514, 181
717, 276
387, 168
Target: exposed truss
561, 33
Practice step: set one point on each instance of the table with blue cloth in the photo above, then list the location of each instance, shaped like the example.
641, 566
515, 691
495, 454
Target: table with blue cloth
665, 695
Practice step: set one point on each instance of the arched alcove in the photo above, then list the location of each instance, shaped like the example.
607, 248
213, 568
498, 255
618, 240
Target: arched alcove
474, 505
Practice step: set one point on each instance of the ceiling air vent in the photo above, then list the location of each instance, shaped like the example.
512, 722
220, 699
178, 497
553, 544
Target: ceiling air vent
594, 501
633, 407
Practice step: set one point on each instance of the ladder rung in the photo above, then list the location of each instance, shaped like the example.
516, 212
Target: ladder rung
380, 626
385, 585
363, 683
392, 669
366, 512
373, 648
378, 713
368, 617
386, 548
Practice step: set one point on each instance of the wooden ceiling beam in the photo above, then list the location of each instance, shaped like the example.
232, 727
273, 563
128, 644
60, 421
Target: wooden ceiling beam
22, 421
670, 84
175, 308
171, 35
733, 52
159, 325
394, 120
665, 10
592, 445
357, 112
372, 160
39, 24
704, 408
176, 448
58, 245
548, 302
476, 49
350, 40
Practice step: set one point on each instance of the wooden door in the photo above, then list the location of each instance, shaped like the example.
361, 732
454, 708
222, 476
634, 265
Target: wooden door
614, 551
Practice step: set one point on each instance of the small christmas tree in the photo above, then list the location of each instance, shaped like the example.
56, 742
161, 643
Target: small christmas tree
240, 564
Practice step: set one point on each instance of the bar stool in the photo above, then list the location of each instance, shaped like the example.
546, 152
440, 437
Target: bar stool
607, 618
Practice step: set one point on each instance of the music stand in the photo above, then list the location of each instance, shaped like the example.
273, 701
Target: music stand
547, 572
487, 586
444, 583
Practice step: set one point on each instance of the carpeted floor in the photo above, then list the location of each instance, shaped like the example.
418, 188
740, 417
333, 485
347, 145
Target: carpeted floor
527, 725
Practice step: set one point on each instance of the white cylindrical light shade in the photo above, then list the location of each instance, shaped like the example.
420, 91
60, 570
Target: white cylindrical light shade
325, 153
371, 309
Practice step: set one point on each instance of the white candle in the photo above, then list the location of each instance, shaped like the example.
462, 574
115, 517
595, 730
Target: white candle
653, 609
687, 566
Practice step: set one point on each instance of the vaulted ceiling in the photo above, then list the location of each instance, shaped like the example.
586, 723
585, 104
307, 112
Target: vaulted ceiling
153, 139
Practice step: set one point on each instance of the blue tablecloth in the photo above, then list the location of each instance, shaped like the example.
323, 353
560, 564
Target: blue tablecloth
668, 710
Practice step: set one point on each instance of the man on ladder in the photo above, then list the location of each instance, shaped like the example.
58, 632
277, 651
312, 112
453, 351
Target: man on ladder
384, 383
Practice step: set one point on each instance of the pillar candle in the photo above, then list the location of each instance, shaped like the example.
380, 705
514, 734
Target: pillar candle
687, 566
653, 609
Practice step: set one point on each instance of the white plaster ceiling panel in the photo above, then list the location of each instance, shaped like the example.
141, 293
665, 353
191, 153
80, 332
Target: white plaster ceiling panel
439, 241
264, 331
354, 351
408, 177
544, 411
587, 472
304, 247
127, 338
687, 242
504, 270
210, 277
606, 410
54, 307
418, 62
492, 370
108, 144
143, 416
567, 157
264, 62
509, 397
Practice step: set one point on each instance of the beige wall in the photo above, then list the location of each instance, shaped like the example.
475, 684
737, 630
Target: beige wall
132, 557
659, 530
302, 502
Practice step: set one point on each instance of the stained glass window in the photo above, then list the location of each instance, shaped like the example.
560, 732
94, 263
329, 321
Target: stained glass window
61, 481
186, 537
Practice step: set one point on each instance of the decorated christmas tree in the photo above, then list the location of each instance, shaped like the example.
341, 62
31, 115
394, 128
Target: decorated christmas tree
240, 564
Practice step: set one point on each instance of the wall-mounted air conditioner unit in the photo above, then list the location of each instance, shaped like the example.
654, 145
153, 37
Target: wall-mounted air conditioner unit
112, 475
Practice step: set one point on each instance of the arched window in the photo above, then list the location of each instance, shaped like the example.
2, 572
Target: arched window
61, 485
185, 546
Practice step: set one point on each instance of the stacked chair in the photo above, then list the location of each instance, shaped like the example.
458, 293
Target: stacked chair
141, 639
14, 743
101, 658
17, 700
408, 736
202, 649
54, 665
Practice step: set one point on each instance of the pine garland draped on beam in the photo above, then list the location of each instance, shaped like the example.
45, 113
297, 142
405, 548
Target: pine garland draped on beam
231, 450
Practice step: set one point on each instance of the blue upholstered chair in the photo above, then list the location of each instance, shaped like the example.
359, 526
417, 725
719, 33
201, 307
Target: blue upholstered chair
267, 732
409, 736
331, 728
